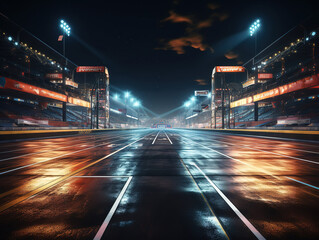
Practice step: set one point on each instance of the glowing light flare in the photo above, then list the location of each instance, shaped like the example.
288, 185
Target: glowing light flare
254, 27
136, 104
65, 27
187, 104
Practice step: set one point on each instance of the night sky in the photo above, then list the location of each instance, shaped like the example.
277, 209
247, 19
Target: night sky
161, 51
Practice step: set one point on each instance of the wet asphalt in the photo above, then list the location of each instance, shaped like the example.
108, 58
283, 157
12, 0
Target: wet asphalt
159, 184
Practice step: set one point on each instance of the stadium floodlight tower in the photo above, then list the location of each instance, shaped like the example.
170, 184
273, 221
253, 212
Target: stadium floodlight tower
66, 31
253, 32
137, 105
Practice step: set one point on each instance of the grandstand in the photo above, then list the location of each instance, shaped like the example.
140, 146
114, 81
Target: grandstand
36, 81
285, 94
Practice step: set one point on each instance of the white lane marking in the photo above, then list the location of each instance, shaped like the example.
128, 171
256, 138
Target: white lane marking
155, 137
61, 179
99, 139
107, 220
49, 159
232, 206
260, 150
205, 199
168, 138
259, 169
298, 141
49, 150
307, 184
295, 149
237, 160
64, 136
97, 176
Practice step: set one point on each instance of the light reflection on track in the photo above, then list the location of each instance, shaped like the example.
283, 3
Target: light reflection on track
70, 195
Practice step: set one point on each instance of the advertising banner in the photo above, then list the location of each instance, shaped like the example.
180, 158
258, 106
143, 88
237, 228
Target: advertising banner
78, 102
248, 83
306, 82
287, 88
90, 69
27, 88
201, 93
71, 83
265, 76
241, 102
230, 69
54, 75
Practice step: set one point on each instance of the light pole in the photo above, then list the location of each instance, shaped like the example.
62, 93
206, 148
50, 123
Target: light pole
66, 31
137, 105
126, 96
253, 31
186, 105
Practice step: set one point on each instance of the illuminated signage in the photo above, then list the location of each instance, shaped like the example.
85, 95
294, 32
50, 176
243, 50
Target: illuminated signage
241, 102
248, 83
79, 102
230, 69
265, 76
201, 93
27, 88
71, 83
91, 69
54, 75
306, 82
252, 82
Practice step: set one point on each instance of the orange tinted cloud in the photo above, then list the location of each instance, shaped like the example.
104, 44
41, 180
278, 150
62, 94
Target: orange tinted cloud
193, 36
201, 82
231, 55
175, 18
178, 44
205, 24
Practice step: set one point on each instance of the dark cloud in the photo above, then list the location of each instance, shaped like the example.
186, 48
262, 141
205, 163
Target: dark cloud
179, 44
212, 6
193, 33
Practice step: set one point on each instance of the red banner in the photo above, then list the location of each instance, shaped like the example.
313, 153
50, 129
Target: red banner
24, 87
307, 82
265, 76
287, 88
54, 75
230, 69
90, 69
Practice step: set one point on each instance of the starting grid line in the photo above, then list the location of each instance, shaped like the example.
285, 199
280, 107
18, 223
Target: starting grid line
157, 136
109, 216
232, 206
